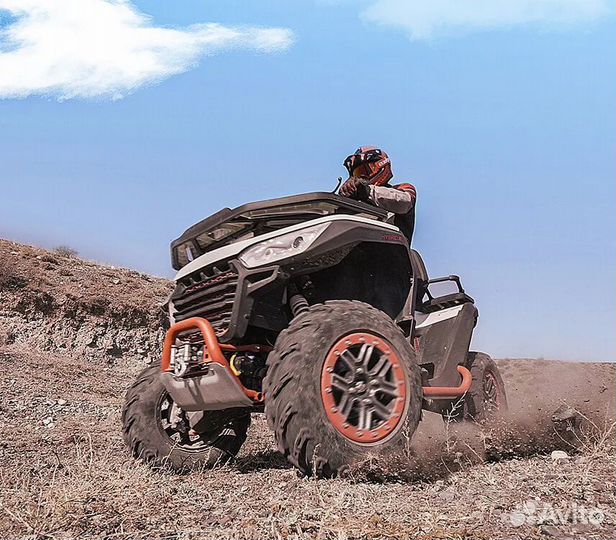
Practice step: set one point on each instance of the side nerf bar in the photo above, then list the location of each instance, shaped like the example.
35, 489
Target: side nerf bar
450, 392
213, 352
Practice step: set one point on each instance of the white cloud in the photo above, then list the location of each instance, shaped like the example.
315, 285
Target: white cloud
105, 48
424, 19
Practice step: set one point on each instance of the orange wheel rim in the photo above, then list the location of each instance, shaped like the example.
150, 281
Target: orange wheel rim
364, 388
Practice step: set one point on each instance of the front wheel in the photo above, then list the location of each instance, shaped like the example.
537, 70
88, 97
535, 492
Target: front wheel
342, 386
157, 431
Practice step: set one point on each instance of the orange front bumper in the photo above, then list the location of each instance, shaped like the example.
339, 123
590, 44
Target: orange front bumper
212, 349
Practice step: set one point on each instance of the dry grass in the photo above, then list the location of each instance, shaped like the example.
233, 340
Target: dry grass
93, 490
66, 251
75, 479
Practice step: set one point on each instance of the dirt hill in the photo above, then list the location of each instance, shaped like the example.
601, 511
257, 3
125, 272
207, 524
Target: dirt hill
53, 302
73, 336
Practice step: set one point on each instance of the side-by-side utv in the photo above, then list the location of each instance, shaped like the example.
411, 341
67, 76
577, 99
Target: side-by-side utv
314, 310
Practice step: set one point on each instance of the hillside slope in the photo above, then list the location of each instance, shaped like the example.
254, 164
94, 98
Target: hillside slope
58, 303
73, 336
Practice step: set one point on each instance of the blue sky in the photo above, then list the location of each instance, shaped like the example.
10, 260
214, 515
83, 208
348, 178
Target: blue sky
502, 117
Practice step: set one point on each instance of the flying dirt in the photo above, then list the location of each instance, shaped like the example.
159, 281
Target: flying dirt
75, 335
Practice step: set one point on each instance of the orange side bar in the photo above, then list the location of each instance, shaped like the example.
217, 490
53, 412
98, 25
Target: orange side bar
212, 350
448, 392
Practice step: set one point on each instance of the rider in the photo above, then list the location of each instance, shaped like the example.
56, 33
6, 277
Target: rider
369, 175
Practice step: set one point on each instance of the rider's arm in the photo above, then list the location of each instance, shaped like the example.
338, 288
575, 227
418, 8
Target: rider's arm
399, 199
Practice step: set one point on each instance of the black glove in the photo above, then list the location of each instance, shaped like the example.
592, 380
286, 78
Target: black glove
355, 188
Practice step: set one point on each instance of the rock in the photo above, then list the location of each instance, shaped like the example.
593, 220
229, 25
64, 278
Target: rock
567, 423
48, 420
116, 281
558, 455
566, 417
61, 402
550, 530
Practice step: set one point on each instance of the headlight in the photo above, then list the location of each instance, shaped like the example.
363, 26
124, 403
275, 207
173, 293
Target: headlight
281, 247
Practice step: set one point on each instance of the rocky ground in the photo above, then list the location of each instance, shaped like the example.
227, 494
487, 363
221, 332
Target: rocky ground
73, 335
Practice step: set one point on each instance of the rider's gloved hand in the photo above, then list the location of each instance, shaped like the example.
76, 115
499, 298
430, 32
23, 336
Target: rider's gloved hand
355, 188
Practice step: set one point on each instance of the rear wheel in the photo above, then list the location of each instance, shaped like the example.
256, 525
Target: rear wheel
342, 385
486, 398
160, 433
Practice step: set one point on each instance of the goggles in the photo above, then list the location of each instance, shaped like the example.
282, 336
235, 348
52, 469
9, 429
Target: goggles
362, 158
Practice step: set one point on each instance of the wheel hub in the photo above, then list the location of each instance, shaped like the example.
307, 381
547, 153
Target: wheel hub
175, 425
363, 388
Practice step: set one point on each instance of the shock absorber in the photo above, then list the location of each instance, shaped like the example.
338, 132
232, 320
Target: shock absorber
297, 301
298, 304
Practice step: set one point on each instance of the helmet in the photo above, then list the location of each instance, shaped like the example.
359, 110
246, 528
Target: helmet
370, 162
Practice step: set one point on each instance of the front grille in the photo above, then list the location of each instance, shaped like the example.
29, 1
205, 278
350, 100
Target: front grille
207, 293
